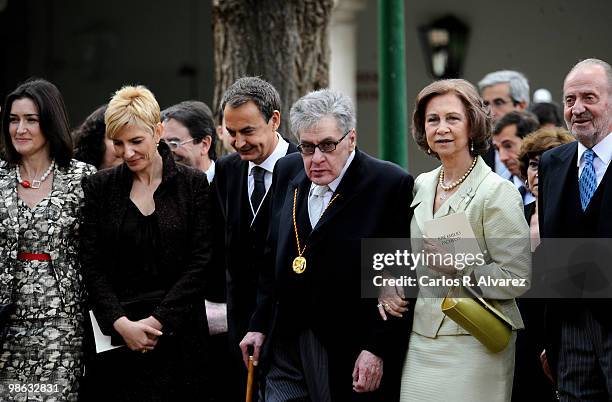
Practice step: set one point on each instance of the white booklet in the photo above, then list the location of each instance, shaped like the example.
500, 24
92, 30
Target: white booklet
103, 342
454, 232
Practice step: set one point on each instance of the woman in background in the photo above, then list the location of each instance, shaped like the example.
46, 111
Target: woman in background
534, 145
40, 202
91, 144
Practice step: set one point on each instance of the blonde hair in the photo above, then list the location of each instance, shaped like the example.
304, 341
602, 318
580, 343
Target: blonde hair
133, 106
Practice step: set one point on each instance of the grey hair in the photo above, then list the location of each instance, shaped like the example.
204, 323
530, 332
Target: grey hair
256, 90
595, 62
519, 86
308, 111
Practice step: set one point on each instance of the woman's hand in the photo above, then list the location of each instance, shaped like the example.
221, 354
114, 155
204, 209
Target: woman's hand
152, 322
436, 255
391, 300
137, 335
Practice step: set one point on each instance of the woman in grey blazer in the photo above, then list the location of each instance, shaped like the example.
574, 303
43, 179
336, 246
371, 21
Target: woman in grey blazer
444, 361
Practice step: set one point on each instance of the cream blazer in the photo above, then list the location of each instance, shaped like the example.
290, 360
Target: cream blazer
494, 209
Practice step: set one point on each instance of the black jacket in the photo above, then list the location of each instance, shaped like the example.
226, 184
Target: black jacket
560, 216
373, 202
182, 208
239, 243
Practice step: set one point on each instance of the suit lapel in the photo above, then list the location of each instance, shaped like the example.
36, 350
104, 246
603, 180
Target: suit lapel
424, 198
236, 198
286, 233
351, 185
558, 173
605, 221
461, 198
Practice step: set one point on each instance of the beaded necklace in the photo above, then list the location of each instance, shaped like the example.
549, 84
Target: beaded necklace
35, 183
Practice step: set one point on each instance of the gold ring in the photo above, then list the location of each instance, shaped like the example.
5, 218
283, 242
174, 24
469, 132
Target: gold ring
143, 351
386, 305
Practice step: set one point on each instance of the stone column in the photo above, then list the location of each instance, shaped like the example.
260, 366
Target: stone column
343, 49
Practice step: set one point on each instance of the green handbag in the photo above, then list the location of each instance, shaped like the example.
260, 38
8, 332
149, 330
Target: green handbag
479, 318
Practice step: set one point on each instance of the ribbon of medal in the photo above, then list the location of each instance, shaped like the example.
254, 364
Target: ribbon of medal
299, 262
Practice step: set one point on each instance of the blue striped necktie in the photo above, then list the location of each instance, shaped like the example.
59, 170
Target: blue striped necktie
588, 179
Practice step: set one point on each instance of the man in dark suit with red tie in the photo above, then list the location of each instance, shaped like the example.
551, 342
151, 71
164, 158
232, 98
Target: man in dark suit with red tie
326, 342
575, 201
242, 180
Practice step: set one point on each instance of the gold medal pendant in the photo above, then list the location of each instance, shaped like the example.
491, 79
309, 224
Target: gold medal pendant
299, 265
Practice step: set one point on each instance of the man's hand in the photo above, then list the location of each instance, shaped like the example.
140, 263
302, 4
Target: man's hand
367, 373
546, 367
137, 335
254, 340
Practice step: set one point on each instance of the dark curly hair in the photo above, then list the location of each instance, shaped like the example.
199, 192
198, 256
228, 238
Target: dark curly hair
540, 141
89, 138
479, 116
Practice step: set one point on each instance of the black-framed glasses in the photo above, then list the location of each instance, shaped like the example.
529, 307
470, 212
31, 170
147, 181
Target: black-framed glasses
176, 144
499, 102
307, 148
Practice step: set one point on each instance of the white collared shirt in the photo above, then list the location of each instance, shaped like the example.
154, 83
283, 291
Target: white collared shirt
268, 166
335, 183
518, 183
210, 172
500, 168
603, 154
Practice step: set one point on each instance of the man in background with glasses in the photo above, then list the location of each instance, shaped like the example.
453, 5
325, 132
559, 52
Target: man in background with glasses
189, 131
503, 91
325, 341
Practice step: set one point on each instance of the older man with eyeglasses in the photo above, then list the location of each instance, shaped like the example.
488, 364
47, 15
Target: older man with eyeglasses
503, 91
325, 341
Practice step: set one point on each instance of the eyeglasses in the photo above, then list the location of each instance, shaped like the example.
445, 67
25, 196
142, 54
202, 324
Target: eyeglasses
176, 144
499, 102
307, 148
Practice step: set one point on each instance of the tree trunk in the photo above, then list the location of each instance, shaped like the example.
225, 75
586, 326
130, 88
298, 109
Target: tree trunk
284, 42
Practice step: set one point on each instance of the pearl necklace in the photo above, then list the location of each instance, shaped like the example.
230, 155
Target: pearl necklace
458, 182
35, 183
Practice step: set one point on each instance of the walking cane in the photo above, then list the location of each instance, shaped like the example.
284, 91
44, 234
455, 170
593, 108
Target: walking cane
251, 374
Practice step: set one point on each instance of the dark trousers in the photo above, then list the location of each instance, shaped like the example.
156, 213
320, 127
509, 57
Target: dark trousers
298, 370
530, 383
585, 359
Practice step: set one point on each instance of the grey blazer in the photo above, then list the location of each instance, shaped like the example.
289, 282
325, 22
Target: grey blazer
63, 224
495, 211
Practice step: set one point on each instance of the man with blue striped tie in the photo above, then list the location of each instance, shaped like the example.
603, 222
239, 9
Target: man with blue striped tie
575, 201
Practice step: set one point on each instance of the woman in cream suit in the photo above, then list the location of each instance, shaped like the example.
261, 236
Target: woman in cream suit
444, 362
